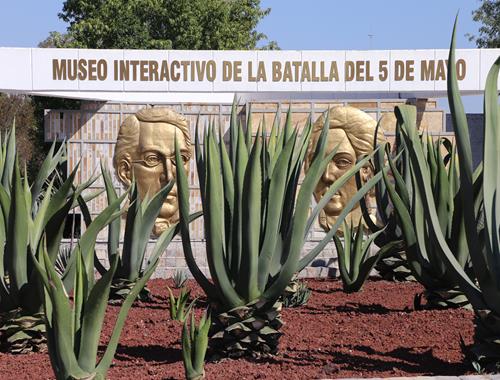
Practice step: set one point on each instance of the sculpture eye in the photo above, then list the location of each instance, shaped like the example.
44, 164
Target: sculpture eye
152, 159
342, 162
183, 157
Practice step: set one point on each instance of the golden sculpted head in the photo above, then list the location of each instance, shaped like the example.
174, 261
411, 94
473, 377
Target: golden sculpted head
353, 130
145, 151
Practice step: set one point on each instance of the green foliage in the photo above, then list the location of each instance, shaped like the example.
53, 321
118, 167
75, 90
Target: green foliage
256, 220
488, 14
296, 294
177, 307
392, 265
158, 24
74, 328
355, 262
180, 277
480, 218
26, 213
194, 346
422, 251
141, 216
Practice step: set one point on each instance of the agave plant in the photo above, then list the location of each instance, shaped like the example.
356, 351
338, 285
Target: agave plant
180, 277
141, 215
423, 254
74, 327
481, 216
26, 213
178, 309
256, 220
194, 346
296, 294
355, 261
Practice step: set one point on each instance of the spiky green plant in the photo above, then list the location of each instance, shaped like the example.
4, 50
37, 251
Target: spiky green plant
256, 220
194, 346
422, 252
74, 327
296, 294
141, 216
355, 261
180, 277
393, 265
27, 211
177, 307
480, 221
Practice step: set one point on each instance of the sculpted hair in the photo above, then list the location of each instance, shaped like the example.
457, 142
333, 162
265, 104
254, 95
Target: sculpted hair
358, 126
128, 135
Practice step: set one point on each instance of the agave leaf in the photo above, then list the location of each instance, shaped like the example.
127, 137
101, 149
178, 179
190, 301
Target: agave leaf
93, 317
114, 227
17, 234
464, 150
239, 177
275, 206
107, 358
214, 220
10, 159
187, 348
61, 320
200, 343
251, 224
88, 240
47, 168
183, 199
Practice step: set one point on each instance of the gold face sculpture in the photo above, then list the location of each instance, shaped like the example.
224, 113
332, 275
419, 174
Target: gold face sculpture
353, 131
145, 150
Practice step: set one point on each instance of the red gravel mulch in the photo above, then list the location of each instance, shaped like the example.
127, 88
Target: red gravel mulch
374, 333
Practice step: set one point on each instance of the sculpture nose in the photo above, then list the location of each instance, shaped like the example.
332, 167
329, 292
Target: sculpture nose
168, 172
328, 176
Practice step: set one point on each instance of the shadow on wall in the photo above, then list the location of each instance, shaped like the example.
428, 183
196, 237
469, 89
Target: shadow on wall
475, 121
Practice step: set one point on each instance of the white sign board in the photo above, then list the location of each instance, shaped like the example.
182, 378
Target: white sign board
160, 75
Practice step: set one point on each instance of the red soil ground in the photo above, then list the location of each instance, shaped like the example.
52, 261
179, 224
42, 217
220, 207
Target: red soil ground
374, 333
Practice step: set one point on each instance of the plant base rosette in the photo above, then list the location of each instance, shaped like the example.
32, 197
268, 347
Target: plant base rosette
441, 299
21, 334
394, 268
250, 330
485, 353
121, 287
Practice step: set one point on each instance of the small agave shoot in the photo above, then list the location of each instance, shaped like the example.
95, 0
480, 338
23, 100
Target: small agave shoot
27, 211
355, 261
256, 219
74, 326
180, 277
179, 307
296, 294
194, 346
480, 219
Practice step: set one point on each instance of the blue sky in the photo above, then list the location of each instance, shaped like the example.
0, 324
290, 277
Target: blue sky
294, 24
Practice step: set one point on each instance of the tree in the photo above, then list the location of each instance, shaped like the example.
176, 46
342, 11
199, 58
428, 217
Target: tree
161, 24
489, 33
